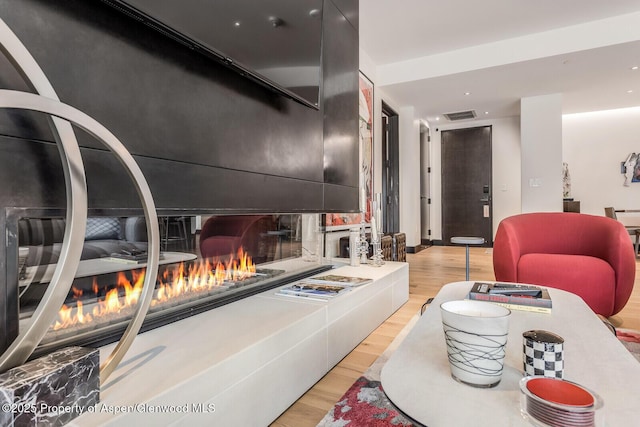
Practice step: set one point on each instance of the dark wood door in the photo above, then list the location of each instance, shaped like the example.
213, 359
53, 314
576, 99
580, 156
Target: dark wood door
466, 184
390, 170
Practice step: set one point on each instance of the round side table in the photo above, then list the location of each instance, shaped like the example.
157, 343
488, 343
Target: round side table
467, 241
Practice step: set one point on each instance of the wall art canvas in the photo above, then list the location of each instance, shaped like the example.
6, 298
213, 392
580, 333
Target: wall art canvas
630, 168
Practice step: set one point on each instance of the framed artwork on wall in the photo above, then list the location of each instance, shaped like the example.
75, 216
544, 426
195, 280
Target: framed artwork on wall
630, 168
365, 133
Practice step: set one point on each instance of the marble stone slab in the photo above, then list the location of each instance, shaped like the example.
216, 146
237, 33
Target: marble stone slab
51, 390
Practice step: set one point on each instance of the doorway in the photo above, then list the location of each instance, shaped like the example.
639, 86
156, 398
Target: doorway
466, 184
390, 170
425, 186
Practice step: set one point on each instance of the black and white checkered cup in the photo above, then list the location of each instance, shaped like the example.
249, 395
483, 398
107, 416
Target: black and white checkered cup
542, 353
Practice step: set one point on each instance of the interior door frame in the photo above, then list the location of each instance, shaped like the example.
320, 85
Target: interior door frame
390, 169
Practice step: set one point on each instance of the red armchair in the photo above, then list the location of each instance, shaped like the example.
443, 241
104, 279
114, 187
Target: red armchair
221, 236
591, 256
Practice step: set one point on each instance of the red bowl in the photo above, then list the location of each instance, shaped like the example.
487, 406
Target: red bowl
560, 392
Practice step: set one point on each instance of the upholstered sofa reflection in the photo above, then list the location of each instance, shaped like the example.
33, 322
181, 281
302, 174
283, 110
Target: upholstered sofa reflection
222, 236
591, 256
42, 237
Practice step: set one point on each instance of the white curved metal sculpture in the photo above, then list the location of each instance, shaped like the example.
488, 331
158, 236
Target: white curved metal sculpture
61, 114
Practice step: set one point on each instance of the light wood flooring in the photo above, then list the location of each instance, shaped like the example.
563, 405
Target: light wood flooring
429, 270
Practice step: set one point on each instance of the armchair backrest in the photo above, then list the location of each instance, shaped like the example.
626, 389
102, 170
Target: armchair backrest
563, 233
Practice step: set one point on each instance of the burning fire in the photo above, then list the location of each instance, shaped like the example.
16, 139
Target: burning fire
203, 275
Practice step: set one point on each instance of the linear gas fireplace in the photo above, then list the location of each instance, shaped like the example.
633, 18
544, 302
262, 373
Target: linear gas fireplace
205, 261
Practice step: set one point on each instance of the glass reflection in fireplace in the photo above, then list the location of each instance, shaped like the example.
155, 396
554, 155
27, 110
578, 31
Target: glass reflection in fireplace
206, 261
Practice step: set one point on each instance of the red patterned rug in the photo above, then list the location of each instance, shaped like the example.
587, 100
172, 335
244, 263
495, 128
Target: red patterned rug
365, 405
631, 340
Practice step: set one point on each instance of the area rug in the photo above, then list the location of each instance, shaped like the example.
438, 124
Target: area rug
366, 405
631, 340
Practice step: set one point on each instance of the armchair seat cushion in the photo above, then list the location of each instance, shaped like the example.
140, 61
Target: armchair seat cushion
567, 272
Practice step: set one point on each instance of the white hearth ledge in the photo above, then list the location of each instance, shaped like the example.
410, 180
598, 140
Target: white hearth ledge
244, 363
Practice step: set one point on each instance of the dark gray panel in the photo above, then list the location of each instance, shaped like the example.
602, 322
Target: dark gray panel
160, 98
350, 9
13, 122
166, 102
341, 198
229, 190
31, 174
8, 294
260, 45
33, 178
341, 102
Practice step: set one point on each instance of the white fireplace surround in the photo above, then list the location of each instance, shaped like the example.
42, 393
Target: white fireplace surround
245, 362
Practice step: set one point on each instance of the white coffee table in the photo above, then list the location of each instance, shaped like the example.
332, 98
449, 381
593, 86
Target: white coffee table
418, 381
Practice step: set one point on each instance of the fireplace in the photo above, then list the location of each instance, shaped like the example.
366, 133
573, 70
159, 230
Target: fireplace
206, 261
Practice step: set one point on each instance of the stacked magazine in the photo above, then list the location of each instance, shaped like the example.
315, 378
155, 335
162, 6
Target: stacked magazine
513, 296
341, 280
322, 288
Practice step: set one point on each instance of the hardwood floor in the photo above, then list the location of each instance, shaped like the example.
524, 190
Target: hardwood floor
429, 270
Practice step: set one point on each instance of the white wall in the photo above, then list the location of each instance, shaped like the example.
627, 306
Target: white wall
506, 169
409, 168
541, 155
594, 145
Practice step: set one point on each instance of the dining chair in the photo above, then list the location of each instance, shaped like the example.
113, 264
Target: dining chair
633, 230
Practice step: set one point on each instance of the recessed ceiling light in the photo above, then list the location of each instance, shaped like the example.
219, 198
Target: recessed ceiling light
635, 67
437, 118
467, 93
630, 91
486, 112
275, 21
236, 24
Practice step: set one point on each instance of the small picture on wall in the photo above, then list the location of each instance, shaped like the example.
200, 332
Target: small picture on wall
630, 168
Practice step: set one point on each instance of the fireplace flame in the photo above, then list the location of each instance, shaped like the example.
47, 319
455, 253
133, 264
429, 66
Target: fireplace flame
182, 279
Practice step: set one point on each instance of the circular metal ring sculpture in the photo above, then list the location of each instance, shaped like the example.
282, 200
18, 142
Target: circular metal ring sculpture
76, 190
76, 214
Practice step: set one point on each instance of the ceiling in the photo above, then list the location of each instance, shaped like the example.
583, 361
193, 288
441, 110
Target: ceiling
457, 55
